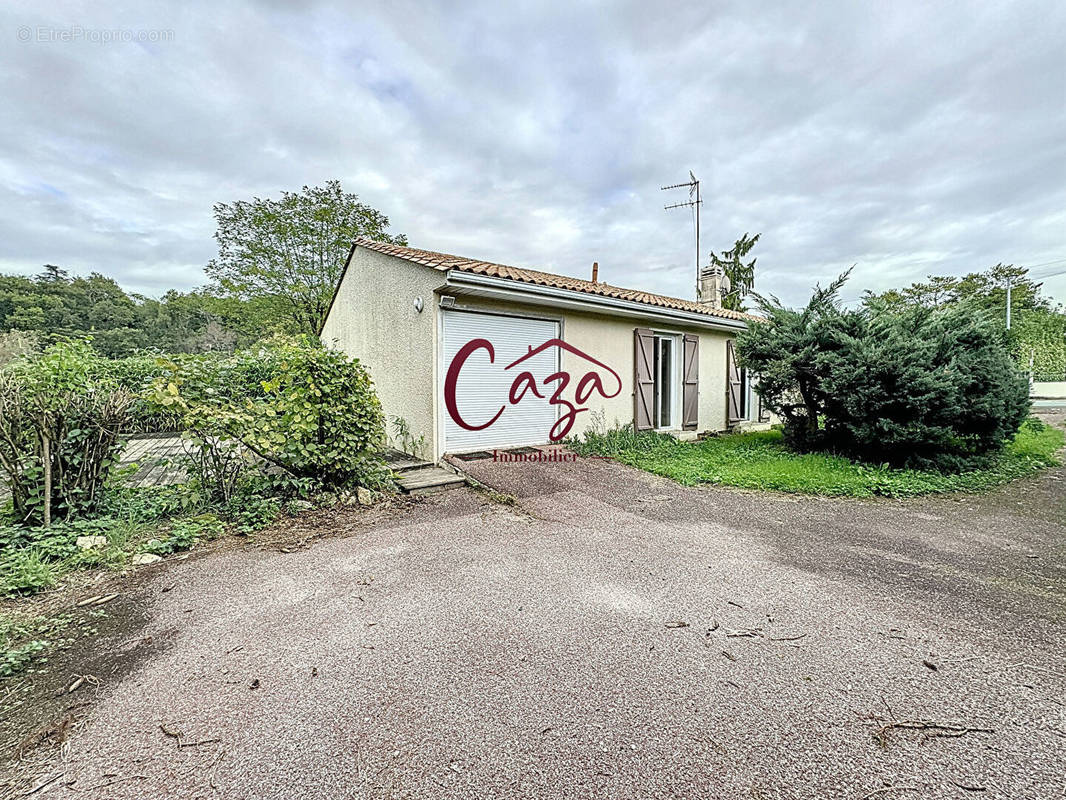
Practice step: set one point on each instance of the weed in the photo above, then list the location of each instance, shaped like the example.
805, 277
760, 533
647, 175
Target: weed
26, 571
184, 534
407, 442
14, 661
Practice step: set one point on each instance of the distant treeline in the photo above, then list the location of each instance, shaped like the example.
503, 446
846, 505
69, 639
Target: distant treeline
52, 306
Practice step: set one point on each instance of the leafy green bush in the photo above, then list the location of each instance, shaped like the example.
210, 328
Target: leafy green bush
15, 660
33, 559
59, 432
26, 571
205, 376
317, 421
917, 387
253, 506
23, 638
1039, 343
184, 534
152, 503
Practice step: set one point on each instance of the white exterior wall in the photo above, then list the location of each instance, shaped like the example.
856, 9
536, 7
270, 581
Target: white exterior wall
1051, 389
374, 319
610, 340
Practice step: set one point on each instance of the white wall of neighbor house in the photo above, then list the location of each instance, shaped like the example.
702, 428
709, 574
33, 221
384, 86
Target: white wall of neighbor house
610, 340
374, 319
1055, 390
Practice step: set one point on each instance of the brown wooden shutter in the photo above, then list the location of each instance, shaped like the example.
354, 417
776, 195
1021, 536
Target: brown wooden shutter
734, 383
643, 379
690, 388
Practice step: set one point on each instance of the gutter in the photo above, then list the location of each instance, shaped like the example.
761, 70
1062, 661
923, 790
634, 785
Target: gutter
508, 289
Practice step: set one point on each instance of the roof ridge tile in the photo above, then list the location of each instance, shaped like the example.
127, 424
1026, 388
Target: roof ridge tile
445, 262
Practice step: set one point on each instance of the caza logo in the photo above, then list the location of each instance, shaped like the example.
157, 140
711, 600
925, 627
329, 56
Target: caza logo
525, 383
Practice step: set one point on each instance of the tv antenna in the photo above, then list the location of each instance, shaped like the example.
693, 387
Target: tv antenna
694, 202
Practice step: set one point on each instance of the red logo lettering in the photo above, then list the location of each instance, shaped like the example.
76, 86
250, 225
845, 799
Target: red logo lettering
453, 376
525, 383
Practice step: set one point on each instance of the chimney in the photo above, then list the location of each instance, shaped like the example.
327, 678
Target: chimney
595, 271
713, 283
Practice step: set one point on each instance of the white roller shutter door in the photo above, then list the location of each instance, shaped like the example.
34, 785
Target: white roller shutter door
483, 386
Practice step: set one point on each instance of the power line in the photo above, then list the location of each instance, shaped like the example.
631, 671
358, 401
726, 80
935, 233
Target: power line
1049, 274
1045, 264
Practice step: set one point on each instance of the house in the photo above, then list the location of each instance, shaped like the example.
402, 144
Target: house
478, 356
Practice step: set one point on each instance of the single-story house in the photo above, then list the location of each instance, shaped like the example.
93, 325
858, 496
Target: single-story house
478, 356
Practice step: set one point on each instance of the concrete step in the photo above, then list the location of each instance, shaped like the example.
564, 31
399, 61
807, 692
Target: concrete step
408, 465
403, 462
429, 479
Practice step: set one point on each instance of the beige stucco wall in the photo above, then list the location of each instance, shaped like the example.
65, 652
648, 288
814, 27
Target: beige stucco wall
610, 340
1050, 389
374, 319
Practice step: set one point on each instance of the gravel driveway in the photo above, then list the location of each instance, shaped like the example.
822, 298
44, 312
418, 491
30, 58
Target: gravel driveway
612, 635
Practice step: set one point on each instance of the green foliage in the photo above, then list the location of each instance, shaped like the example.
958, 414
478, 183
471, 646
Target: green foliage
15, 660
183, 534
1038, 331
253, 507
317, 420
293, 248
25, 571
23, 638
761, 460
54, 307
17, 344
741, 276
137, 506
910, 386
1039, 342
405, 440
986, 290
206, 376
59, 432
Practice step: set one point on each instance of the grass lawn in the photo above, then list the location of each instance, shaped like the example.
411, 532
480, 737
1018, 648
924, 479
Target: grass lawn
761, 461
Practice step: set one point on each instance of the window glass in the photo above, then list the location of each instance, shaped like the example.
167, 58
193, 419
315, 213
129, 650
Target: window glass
666, 383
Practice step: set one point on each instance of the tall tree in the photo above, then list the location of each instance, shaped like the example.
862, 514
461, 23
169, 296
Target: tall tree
986, 290
741, 275
292, 250
1036, 338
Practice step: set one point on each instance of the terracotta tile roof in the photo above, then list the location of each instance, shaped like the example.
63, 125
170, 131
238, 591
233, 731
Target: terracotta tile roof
445, 262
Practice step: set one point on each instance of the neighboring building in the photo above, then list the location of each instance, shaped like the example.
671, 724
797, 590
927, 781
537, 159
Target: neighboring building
477, 356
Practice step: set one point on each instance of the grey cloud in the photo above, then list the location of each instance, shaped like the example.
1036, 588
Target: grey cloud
906, 138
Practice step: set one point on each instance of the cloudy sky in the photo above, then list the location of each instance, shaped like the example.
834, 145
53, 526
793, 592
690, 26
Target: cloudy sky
904, 138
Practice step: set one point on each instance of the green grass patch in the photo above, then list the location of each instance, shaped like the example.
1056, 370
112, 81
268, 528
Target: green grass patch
760, 460
158, 520
27, 639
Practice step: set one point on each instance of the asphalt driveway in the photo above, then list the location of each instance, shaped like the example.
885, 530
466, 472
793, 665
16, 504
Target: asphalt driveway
611, 635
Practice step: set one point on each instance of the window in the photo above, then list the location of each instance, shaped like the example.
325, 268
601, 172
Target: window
666, 383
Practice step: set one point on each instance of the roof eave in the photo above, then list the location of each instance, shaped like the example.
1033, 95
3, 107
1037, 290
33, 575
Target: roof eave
509, 289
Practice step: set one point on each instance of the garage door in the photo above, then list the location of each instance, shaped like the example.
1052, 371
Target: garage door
482, 386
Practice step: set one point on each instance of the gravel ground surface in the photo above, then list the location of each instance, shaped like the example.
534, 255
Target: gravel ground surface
611, 635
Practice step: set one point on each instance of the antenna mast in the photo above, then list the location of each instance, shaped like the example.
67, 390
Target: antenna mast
694, 201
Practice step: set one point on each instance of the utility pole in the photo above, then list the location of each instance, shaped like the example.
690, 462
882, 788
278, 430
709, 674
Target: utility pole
694, 201
1008, 303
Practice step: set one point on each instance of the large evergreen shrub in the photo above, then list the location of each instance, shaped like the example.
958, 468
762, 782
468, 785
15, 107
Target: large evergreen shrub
916, 387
